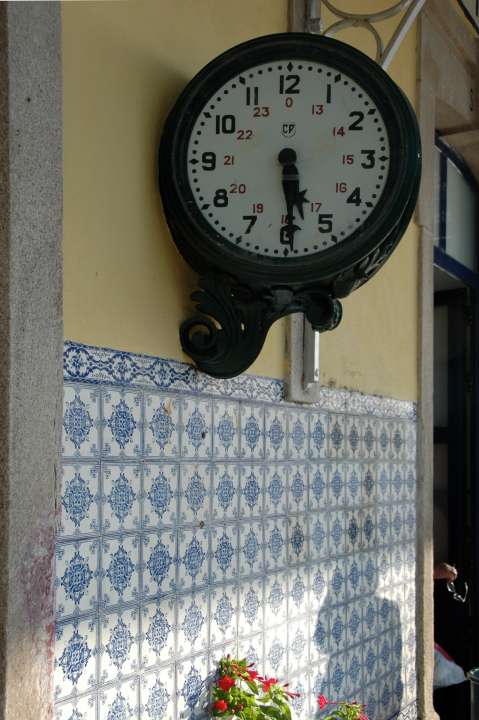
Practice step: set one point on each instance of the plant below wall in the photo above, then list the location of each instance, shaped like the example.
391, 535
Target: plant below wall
240, 691
342, 710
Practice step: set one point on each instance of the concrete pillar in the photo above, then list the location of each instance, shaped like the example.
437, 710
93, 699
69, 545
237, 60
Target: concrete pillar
30, 350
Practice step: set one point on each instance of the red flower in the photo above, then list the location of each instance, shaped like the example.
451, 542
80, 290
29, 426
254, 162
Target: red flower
363, 717
226, 682
267, 684
253, 674
220, 705
322, 702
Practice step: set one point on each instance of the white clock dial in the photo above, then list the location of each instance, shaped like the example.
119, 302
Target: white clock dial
289, 158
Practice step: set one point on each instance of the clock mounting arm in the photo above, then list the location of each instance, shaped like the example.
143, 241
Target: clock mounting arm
227, 334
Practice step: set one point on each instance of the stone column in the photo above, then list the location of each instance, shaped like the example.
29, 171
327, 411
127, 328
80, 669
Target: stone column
30, 350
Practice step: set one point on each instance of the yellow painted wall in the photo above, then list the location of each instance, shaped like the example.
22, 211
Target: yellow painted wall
125, 284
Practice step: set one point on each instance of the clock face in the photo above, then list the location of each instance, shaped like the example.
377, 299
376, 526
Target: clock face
288, 158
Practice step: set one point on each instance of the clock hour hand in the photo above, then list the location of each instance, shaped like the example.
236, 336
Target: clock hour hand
295, 198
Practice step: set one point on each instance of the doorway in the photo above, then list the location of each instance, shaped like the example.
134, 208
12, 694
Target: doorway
456, 508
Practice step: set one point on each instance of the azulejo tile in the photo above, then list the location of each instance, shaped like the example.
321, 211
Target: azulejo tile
158, 636
398, 440
121, 423
76, 652
353, 664
120, 701
369, 573
368, 528
298, 434
81, 422
336, 538
80, 499
191, 684
224, 613
338, 581
319, 631
352, 481
77, 574
369, 438
196, 435
317, 486
276, 654
337, 478
384, 440
82, 708
353, 530
193, 622
162, 426
252, 650
299, 684
121, 570
384, 528
121, 490
251, 607
252, 443
157, 694
383, 483
319, 585
318, 434
298, 483
337, 676
119, 644
193, 558
368, 484
298, 543
353, 576
225, 429
275, 489
275, 543
251, 548
225, 492
276, 434
160, 560
338, 628
353, 428
195, 492
251, 500
160, 494
354, 623
370, 660
369, 611
276, 599
298, 645
337, 438
299, 591
224, 552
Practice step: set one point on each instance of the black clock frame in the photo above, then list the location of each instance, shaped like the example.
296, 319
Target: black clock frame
243, 293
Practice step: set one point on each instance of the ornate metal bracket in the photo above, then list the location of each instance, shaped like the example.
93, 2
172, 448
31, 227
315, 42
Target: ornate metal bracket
228, 334
306, 16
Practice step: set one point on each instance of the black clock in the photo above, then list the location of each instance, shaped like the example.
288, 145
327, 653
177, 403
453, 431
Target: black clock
289, 169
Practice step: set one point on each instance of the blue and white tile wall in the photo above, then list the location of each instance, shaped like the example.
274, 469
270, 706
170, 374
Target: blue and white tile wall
201, 517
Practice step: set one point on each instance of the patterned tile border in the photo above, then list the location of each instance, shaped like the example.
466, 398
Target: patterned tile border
89, 364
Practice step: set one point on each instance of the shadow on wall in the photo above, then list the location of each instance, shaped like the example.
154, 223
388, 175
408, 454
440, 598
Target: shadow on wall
369, 672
